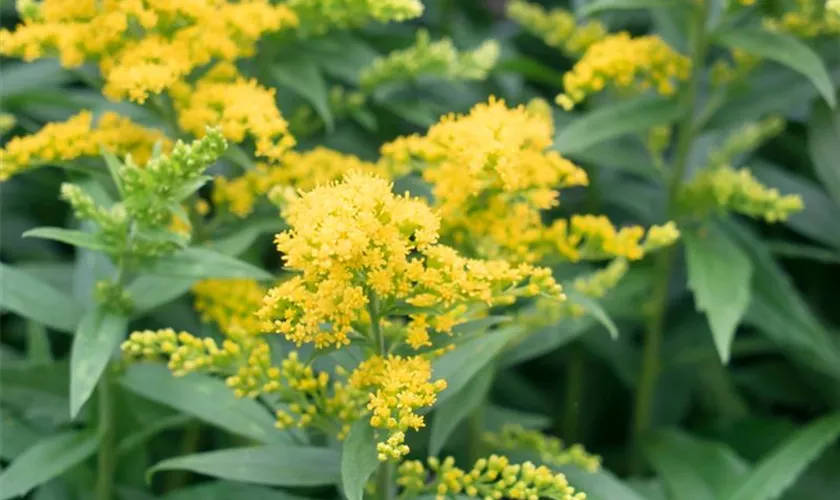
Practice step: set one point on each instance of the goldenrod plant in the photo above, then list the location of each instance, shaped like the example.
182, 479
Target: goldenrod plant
404, 249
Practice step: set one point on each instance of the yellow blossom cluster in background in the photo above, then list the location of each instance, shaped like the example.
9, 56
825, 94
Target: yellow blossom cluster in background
317, 16
427, 58
143, 48
557, 27
78, 137
240, 106
298, 170
358, 246
808, 19
230, 304
494, 477
514, 437
626, 63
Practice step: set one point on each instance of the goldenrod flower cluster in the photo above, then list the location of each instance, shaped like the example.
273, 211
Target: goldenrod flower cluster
426, 58
726, 189
230, 303
627, 63
143, 47
240, 106
399, 386
78, 137
357, 246
808, 19
594, 237
491, 174
317, 16
557, 28
745, 139
298, 170
742, 63
491, 478
514, 437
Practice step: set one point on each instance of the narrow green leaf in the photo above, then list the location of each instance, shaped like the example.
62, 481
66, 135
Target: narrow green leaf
239, 241
497, 416
460, 365
139, 436
358, 459
228, 490
270, 465
205, 398
693, 469
596, 6
201, 263
614, 121
114, 165
824, 147
23, 78
304, 78
97, 337
778, 470
595, 309
454, 411
546, 339
36, 300
69, 236
785, 50
602, 485
49, 458
720, 275
149, 292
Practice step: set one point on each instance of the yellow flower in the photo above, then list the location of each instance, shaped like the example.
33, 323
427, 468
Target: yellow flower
357, 246
77, 137
626, 63
240, 107
231, 304
298, 170
557, 27
144, 47
514, 437
491, 174
399, 386
808, 19
318, 16
494, 477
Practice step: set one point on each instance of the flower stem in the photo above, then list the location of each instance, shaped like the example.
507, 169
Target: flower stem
106, 456
385, 481
654, 330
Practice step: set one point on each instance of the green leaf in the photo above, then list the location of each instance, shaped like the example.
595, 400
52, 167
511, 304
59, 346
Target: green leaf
304, 78
23, 78
595, 309
615, 120
358, 459
227, 490
205, 398
720, 275
778, 470
149, 292
69, 236
97, 337
497, 416
270, 465
693, 469
602, 485
201, 263
460, 365
138, 437
824, 147
818, 219
38, 301
239, 241
785, 50
49, 458
596, 6
114, 165
546, 340
452, 412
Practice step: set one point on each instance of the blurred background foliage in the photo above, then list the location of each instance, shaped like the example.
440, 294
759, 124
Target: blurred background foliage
576, 382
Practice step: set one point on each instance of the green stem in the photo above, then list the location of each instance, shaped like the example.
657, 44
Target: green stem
651, 354
106, 459
385, 482
574, 393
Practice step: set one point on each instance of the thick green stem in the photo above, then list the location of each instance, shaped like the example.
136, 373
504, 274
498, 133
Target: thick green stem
107, 456
651, 356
